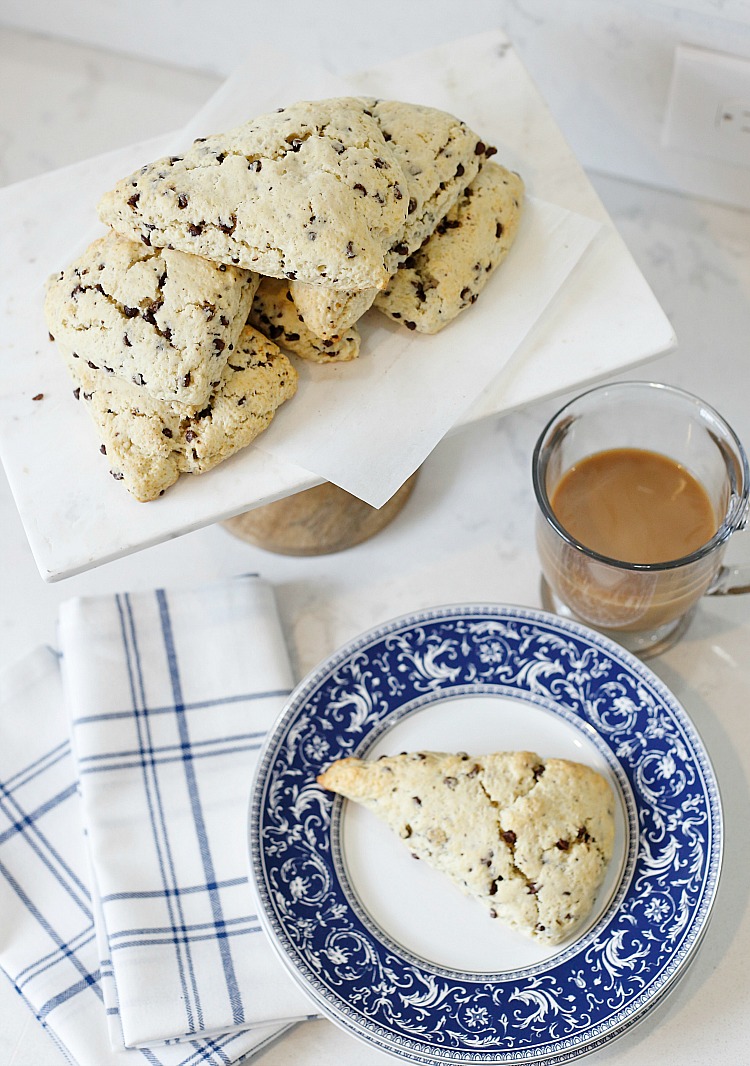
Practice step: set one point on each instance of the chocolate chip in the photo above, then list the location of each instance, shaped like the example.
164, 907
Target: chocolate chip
509, 837
291, 336
103, 449
480, 148
417, 800
228, 227
360, 188
410, 325
130, 312
563, 845
186, 380
50, 336
412, 205
538, 771
92, 365
77, 393
195, 228
218, 344
39, 396
350, 253
117, 475
190, 434
133, 200
167, 431
490, 151
401, 249
397, 192
139, 379
406, 832
147, 241
291, 274
459, 170
254, 164
499, 229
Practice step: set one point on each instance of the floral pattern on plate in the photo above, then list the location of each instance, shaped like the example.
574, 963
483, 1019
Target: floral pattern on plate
593, 988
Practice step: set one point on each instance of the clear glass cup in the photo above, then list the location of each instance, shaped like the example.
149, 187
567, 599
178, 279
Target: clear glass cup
644, 606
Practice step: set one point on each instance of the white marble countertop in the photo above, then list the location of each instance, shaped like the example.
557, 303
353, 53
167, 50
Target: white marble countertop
466, 533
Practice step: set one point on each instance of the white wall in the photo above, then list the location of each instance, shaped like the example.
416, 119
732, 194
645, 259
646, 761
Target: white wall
604, 67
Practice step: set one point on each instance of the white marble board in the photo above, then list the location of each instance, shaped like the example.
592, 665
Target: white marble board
604, 318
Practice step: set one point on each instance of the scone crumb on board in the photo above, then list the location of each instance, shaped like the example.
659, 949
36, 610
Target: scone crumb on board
531, 838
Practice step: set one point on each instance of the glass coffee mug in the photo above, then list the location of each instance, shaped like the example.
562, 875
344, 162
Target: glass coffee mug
645, 606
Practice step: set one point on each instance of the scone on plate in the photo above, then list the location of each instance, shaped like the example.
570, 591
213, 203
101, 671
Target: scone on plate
148, 444
161, 320
530, 838
454, 264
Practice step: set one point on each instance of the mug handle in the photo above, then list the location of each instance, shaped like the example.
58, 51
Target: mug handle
730, 581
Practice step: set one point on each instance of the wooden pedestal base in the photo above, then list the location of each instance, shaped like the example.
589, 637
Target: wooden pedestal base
318, 521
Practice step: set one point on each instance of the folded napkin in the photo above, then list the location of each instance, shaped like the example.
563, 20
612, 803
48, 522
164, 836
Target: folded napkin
48, 945
128, 916
170, 695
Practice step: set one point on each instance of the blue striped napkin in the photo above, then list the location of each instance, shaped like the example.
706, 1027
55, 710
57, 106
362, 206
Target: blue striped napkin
170, 695
128, 922
48, 941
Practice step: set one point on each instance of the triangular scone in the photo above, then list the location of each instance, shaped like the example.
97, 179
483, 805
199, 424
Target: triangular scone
333, 191
440, 156
311, 191
530, 838
156, 318
329, 312
148, 445
449, 271
276, 316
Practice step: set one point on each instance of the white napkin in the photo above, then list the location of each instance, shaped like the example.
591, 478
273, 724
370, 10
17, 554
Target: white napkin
48, 944
170, 695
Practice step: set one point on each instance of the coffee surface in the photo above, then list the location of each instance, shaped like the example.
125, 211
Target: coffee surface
634, 505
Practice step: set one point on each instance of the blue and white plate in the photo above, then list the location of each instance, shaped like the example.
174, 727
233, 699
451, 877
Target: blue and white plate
390, 949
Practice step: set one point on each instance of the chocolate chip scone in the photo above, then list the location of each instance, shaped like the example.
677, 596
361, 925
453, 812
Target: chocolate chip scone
530, 838
148, 444
313, 191
162, 320
275, 314
449, 271
329, 312
440, 156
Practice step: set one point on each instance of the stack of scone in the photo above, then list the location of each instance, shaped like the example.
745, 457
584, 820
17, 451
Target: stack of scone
280, 233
